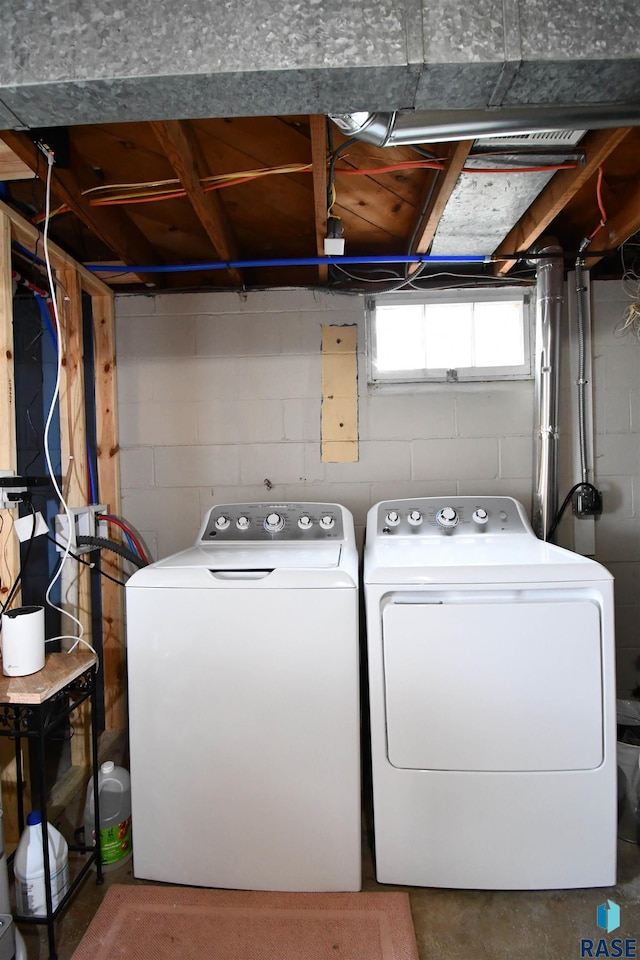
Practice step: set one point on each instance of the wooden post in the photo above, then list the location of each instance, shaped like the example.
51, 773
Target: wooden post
73, 449
9, 546
108, 469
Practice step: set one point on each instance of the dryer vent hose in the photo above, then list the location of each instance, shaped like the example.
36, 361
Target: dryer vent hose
112, 545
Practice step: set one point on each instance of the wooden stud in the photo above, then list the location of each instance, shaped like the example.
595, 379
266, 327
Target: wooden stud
9, 546
73, 448
28, 236
108, 470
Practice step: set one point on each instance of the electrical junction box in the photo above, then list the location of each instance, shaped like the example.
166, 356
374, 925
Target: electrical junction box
10, 494
333, 246
86, 523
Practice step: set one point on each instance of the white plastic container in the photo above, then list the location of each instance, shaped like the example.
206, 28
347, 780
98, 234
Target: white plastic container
28, 868
114, 791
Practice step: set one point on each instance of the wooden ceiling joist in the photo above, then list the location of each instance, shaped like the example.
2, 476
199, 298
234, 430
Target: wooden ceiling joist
618, 227
425, 229
190, 166
597, 146
319, 161
111, 224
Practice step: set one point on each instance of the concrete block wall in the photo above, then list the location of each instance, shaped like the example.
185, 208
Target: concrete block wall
616, 378
219, 400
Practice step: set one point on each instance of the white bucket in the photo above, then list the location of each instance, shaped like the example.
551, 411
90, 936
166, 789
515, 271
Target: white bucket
114, 792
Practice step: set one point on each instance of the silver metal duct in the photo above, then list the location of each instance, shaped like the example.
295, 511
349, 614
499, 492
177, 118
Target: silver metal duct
549, 306
432, 126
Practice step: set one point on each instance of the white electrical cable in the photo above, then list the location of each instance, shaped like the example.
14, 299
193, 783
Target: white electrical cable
56, 393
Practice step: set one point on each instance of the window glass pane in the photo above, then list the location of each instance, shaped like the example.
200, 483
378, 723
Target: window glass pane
420, 338
449, 335
399, 337
498, 334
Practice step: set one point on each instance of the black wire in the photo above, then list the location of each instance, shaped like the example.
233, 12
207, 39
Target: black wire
93, 566
429, 154
558, 517
104, 544
16, 582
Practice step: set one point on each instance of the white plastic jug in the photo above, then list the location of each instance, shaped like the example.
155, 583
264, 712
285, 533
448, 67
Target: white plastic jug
114, 792
28, 868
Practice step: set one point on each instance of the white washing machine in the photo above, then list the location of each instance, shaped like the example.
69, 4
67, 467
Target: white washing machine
492, 692
243, 673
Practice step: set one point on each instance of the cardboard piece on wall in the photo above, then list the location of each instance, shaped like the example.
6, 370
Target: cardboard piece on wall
339, 419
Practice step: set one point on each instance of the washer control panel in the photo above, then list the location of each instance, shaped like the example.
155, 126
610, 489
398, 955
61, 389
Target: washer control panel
439, 516
272, 521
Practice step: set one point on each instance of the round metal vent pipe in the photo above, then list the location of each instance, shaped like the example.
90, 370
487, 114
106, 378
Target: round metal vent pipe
549, 307
432, 126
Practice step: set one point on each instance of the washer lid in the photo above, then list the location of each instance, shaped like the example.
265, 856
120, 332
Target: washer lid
232, 556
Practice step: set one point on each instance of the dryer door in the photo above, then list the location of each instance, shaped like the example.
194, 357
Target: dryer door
493, 683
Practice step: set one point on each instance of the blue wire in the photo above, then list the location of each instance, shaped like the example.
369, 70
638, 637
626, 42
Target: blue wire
29, 253
93, 488
291, 262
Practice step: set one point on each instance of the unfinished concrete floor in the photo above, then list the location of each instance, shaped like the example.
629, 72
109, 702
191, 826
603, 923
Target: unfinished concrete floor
449, 924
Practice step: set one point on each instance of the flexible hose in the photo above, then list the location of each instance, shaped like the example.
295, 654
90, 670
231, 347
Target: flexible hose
581, 382
118, 548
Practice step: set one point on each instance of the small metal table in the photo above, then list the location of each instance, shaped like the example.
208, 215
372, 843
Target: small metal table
32, 708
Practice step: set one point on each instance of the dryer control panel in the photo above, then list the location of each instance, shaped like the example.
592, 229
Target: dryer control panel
266, 522
440, 516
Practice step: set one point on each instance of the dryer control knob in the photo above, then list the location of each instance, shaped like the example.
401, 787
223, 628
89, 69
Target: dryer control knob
415, 518
327, 522
274, 523
447, 517
393, 518
243, 523
222, 522
480, 515
305, 522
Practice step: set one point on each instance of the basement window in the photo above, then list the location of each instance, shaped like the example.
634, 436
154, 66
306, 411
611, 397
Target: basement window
450, 336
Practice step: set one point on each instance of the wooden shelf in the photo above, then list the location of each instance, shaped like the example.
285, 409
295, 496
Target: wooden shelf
59, 670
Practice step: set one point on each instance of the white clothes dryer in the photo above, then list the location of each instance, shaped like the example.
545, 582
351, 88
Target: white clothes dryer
492, 700
243, 673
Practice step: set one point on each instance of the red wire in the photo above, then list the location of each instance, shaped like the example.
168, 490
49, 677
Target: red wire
603, 212
128, 530
436, 165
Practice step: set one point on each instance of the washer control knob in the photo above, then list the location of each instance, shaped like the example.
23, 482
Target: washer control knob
415, 518
243, 523
327, 522
222, 522
393, 518
274, 523
447, 517
305, 522
480, 515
